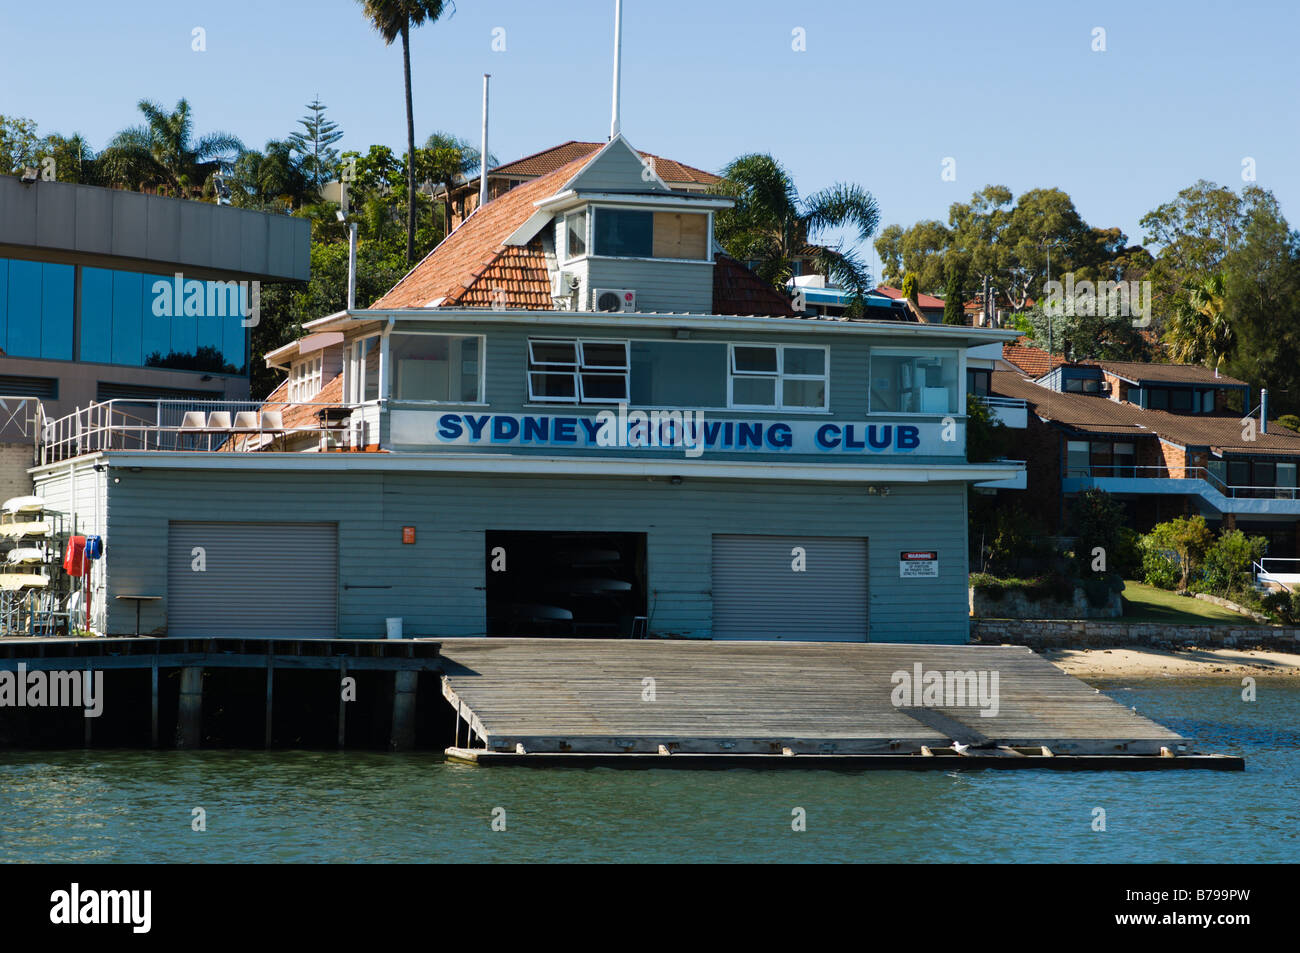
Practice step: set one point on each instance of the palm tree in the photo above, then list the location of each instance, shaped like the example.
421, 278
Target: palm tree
164, 154
273, 178
1199, 332
449, 162
770, 224
394, 18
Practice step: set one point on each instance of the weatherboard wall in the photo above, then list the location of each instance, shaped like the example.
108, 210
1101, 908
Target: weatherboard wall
436, 584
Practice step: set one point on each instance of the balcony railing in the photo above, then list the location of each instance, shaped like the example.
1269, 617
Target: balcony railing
1184, 473
21, 420
193, 425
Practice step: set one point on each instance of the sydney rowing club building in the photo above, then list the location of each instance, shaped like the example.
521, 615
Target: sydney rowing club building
575, 416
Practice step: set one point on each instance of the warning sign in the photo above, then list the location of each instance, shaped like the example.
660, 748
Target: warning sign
916, 564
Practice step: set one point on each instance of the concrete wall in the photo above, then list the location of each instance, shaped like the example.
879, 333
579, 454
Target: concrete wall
435, 585
1114, 633
15, 458
84, 224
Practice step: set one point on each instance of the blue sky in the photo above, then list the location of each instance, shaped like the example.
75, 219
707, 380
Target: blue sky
881, 95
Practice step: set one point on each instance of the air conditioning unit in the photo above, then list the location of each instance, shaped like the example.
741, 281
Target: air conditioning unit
613, 299
564, 283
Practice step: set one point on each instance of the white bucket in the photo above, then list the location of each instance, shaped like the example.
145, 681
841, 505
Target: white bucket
394, 628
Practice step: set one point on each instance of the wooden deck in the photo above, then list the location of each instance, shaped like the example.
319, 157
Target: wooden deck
523, 697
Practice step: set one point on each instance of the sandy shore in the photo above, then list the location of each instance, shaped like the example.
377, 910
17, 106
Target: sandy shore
1191, 663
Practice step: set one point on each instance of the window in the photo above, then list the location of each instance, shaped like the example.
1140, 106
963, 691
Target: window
781, 377
362, 380
1180, 401
679, 374
575, 235
915, 382
629, 233
304, 380
438, 367
1125, 460
577, 371
133, 319
1157, 398
36, 309
1077, 460
977, 381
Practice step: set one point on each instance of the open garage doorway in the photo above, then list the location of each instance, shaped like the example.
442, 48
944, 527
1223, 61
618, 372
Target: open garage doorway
566, 584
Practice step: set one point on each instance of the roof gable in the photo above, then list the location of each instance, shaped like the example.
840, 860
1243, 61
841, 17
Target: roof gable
617, 168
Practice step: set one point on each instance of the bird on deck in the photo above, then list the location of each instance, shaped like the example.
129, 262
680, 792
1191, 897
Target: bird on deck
960, 748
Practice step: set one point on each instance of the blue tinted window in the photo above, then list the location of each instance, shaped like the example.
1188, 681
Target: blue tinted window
136, 319
57, 283
4, 302
24, 337
96, 315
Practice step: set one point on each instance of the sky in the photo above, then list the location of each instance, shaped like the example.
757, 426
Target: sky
881, 94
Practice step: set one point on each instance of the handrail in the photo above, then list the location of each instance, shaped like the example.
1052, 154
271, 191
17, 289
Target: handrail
161, 425
1187, 473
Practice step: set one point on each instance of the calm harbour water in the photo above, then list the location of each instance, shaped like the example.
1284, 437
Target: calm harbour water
135, 806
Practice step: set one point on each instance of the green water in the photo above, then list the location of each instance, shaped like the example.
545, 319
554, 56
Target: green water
134, 806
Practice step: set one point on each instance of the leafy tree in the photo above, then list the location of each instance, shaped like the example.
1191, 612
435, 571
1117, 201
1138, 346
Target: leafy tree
19, 144
74, 159
448, 160
987, 438
312, 144
1103, 337
920, 249
1188, 538
954, 297
1199, 332
1099, 521
770, 223
909, 286
164, 154
271, 179
393, 19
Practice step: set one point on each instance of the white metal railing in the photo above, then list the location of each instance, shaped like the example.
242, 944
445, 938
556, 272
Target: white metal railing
1186, 473
21, 420
1285, 571
189, 425
1010, 403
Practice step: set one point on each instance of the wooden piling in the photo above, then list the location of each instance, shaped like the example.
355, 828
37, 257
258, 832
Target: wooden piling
189, 714
402, 736
270, 695
343, 705
153, 709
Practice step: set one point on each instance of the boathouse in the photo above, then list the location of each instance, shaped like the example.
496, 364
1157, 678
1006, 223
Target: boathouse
576, 416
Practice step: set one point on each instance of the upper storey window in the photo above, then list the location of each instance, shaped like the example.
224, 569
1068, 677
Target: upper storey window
633, 233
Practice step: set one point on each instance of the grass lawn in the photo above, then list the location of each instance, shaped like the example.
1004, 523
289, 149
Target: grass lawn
1143, 603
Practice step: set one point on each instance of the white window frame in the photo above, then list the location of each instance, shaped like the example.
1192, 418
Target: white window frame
957, 354
482, 371
591, 232
356, 371
577, 368
305, 380
779, 376
564, 232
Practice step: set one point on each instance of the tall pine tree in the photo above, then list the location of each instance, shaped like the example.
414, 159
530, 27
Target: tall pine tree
313, 144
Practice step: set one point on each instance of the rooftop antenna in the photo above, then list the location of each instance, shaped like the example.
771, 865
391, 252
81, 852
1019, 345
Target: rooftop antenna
614, 127
483, 152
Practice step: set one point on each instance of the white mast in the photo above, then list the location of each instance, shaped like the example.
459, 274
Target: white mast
618, 48
483, 152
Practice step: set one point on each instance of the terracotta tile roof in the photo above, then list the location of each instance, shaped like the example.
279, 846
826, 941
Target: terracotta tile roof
1032, 360
1101, 415
517, 278
925, 302
1169, 373
472, 249
548, 160
737, 290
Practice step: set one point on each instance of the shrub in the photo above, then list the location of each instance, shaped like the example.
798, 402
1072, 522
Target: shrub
1283, 607
1159, 568
1098, 518
1188, 540
1290, 421
1226, 570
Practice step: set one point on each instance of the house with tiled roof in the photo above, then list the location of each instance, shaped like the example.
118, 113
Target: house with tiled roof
575, 416
1166, 440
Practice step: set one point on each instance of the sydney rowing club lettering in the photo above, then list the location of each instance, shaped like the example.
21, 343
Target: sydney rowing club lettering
690, 432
